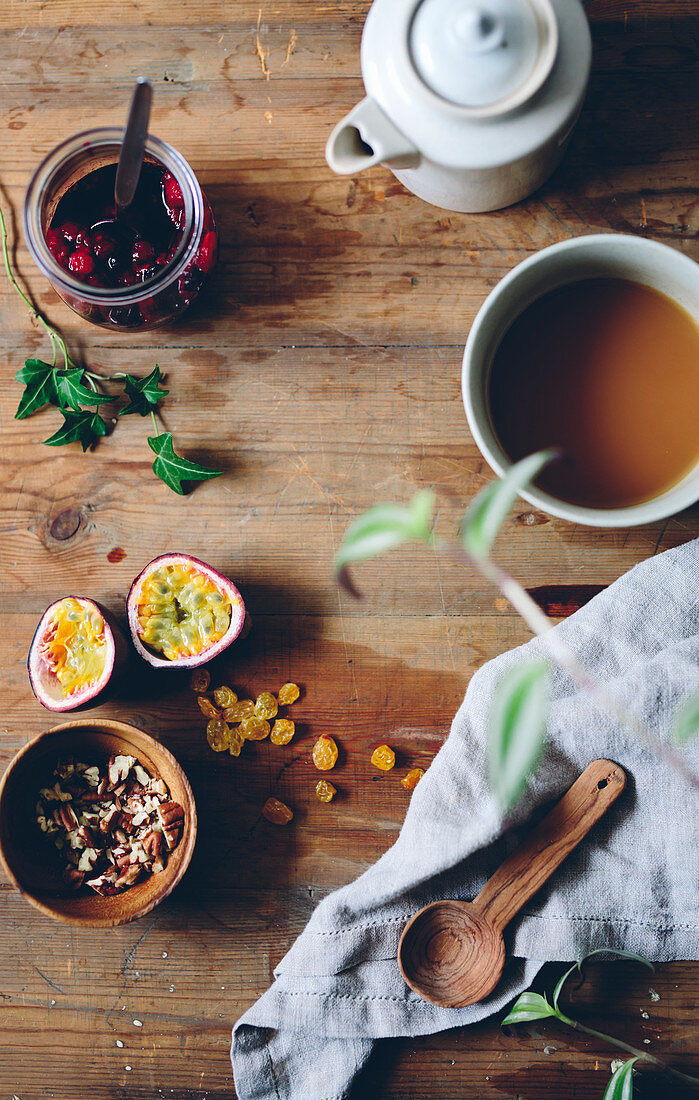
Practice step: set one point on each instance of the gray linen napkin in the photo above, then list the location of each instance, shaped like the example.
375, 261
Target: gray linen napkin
632, 884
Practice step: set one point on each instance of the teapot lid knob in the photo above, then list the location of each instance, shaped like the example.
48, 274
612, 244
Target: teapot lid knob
490, 55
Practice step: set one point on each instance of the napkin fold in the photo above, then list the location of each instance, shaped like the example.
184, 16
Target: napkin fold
631, 884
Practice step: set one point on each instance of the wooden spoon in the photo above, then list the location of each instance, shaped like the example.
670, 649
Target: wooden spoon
452, 952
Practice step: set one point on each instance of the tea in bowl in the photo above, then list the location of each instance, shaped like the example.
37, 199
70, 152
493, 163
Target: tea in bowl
592, 347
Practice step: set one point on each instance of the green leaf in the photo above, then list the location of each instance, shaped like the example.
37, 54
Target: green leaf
486, 512
172, 469
386, 526
40, 387
70, 390
144, 393
517, 729
78, 427
617, 953
620, 1084
529, 1006
685, 724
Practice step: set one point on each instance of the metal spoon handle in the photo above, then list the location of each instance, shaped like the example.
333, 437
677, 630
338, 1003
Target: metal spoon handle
133, 146
538, 856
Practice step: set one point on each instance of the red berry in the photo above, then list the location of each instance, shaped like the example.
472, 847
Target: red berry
206, 256
83, 239
127, 279
57, 247
171, 191
150, 311
142, 252
70, 231
104, 245
81, 262
162, 259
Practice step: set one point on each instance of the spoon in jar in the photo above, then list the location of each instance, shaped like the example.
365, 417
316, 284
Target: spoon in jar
133, 147
452, 953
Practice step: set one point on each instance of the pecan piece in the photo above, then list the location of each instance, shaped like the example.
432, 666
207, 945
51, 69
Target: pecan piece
65, 815
104, 884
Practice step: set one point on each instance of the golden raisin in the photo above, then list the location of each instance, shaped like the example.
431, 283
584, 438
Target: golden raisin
235, 742
217, 733
224, 697
288, 694
254, 729
200, 680
411, 780
325, 791
383, 757
276, 812
325, 753
238, 712
282, 731
207, 707
266, 705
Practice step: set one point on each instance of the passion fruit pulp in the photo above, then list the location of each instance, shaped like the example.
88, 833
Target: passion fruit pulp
182, 612
74, 653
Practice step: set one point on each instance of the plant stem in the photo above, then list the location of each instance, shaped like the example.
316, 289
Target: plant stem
645, 1055
541, 625
155, 423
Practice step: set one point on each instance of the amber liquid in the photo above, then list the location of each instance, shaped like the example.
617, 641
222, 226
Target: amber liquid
608, 371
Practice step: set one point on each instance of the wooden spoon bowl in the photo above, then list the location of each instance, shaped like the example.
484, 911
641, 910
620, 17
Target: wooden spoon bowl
452, 952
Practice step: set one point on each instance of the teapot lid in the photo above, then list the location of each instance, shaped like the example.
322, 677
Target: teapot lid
487, 55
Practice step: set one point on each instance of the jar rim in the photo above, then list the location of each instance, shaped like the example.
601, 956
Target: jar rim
108, 137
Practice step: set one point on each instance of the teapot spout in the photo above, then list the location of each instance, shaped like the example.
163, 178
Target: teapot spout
366, 136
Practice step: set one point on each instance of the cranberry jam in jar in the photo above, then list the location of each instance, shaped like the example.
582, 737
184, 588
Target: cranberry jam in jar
132, 270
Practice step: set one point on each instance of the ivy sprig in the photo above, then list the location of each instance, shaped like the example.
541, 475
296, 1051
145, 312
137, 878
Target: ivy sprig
532, 1006
77, 393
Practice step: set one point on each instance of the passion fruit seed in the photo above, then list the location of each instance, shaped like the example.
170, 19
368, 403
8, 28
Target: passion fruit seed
411, 780
383, 758
265, 705
181, 612
74, 646
200, 680
282, 731
325, 753
276, 812
217, 734
255, 729
325, 791
207, 707
244, 708
235, 742
288, 694
225, 696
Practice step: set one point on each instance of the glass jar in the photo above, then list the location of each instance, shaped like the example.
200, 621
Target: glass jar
173, 285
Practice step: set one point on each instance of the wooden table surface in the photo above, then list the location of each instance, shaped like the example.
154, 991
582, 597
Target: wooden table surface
321, 373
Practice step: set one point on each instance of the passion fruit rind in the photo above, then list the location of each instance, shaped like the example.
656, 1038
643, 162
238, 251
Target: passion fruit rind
182, 612
76, 672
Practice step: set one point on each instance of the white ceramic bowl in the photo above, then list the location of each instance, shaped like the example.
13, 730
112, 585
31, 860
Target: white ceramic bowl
601, 255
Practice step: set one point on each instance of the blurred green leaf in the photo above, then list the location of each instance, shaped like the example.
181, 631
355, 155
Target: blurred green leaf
517, 728
386, 526
685, 723
529, 1006
486, 512
620, 1085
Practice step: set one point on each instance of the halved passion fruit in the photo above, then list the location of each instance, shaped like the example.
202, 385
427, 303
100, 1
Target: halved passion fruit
74, 653
182, 613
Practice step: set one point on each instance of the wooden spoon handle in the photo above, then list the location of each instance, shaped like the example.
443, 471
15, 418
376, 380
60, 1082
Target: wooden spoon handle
530, 865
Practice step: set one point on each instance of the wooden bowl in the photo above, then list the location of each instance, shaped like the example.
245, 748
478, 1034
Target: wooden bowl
31, 861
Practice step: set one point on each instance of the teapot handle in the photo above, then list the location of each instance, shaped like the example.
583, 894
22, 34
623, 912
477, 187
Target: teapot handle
367, 136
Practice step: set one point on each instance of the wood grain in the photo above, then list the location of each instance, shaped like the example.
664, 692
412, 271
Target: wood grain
322, 374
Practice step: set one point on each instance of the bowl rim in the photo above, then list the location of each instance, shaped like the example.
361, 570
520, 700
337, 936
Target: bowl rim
114, 726
683, 494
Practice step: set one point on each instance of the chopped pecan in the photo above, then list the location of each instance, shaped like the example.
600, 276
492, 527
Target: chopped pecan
118, 769
66, 816
129, 876
88, 859
104, 884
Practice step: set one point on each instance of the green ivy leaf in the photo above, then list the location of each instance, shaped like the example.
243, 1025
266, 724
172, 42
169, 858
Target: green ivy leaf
517, 729
529, 1006
620, 1084
70, 390
685, 724
617, 953
78, 427
40, 387
144, 393
486, 512
386, 526
172, 469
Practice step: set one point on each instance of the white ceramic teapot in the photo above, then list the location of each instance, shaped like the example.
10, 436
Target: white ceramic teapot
470, 103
